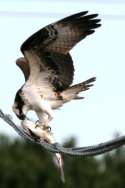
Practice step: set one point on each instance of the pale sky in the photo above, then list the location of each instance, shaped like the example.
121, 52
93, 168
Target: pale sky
101, 114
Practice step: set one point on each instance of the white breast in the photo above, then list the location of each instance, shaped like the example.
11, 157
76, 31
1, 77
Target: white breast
31, 96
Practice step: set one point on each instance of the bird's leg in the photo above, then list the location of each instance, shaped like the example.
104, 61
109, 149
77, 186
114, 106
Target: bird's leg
45, 114
42, 126
50, 115
43, 121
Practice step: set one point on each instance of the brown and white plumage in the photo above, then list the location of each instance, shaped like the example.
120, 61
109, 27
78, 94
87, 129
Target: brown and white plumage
48, 67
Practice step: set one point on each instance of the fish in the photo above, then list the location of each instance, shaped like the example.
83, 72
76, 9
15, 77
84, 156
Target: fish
44, 134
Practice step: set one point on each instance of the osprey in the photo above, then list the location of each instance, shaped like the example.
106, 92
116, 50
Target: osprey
48, 67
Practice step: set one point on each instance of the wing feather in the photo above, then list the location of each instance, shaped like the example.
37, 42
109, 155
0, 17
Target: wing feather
52, 45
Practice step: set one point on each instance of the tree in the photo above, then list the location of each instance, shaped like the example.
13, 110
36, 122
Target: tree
24, 164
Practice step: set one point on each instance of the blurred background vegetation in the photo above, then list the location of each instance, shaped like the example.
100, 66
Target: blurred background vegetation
24, 164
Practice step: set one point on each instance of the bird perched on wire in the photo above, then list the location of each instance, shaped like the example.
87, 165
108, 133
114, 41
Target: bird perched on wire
48, 67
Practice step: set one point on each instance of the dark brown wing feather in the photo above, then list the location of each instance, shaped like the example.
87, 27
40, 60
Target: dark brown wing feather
63, 69
71, 30
53, 42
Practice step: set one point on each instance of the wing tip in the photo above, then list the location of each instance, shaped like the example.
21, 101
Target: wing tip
90, 21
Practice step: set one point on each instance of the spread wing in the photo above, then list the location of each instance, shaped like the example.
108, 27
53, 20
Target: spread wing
47, 51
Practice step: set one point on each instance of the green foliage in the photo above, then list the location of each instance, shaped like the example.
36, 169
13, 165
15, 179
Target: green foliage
24, 164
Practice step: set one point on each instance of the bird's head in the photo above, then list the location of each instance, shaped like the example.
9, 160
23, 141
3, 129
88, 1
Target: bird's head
18, 106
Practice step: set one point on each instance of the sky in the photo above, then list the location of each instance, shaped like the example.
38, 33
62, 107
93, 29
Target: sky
101, 114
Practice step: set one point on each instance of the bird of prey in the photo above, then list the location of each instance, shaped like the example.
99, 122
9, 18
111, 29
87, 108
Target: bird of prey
48, 67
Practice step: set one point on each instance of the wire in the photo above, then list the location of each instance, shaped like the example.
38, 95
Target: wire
77, 1
57, 148
44, 15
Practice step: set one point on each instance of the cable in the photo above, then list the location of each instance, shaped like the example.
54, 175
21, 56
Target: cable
45, 15
77, 1
57, 148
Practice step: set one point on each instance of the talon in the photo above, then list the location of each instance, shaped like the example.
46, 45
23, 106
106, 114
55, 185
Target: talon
43, 126
47, 128
37, 123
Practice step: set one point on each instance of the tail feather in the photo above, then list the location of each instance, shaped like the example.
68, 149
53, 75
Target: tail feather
73, 91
